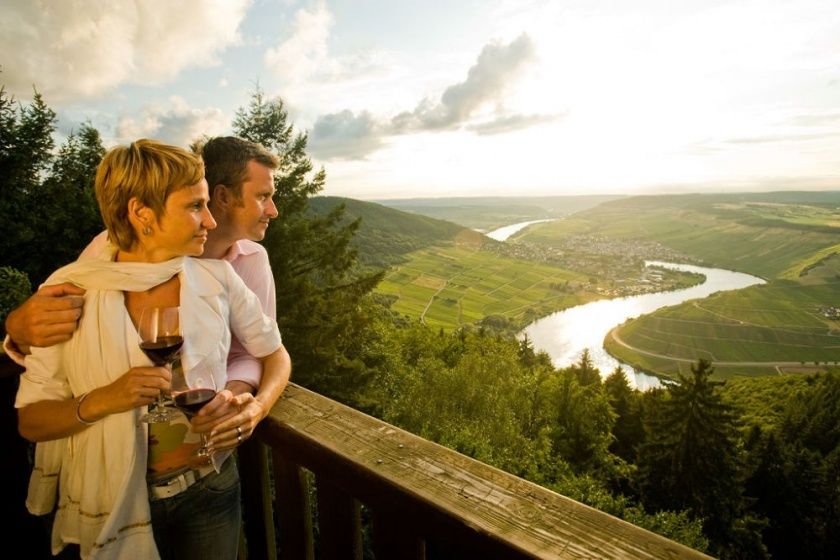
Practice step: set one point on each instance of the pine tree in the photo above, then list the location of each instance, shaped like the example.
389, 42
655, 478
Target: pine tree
25, 153
690, 459
320, 295
792, 488
586, 371
67, 194
628, 430
580, 420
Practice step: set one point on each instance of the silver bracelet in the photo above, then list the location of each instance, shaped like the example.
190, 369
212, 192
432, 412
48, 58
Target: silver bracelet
79, 418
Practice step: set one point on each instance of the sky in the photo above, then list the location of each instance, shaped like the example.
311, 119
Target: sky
438, 98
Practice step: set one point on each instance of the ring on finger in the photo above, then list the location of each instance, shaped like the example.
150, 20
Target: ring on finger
239, 433
239, 439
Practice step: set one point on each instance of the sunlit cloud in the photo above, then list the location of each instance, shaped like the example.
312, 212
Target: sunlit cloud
777, 138
302, 61
487, 80
345, 135
296, 58
350, 135
502, 125
73, 50
176, 123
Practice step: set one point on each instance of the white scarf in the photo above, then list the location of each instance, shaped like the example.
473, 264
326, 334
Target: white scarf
102, 468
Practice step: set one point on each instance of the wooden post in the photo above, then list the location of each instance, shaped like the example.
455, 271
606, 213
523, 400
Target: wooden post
294, 516
393, 538
257, 512
339, 523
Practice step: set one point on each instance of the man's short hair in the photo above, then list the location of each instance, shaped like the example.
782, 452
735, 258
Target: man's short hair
148, 170
226, 159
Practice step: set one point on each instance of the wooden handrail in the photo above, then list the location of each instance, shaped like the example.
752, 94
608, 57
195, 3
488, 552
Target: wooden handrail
421, 495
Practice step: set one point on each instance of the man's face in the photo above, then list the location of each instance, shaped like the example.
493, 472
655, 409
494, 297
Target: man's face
251, 214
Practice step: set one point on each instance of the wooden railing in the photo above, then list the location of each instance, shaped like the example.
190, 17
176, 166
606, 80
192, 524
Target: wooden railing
421, 497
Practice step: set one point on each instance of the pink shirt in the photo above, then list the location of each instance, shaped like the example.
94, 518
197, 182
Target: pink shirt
250, 261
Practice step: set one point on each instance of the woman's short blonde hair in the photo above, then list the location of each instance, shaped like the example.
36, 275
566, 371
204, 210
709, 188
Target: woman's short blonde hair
145, 169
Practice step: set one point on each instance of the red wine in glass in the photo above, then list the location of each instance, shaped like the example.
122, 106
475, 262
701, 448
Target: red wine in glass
163, 350
196, 385
160, 339
191, 401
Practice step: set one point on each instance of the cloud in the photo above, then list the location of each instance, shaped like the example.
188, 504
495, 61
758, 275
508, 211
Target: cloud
775, 138
352, 135
817, 119
301, 55
177, 123
345, 135
496, 69
510, 123
72, 50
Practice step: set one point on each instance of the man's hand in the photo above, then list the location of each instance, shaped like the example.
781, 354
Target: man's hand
48, 317
230, 421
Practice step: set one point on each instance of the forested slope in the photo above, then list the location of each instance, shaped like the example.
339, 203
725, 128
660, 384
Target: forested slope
385, 234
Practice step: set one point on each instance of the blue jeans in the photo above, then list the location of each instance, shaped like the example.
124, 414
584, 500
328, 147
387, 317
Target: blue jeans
203, 522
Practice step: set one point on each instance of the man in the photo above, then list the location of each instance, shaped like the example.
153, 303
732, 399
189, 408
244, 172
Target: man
240, 176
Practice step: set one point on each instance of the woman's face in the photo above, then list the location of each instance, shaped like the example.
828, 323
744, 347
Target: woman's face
182, 228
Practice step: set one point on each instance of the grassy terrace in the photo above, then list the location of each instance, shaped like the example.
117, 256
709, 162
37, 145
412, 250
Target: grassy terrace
781, 325
457, 285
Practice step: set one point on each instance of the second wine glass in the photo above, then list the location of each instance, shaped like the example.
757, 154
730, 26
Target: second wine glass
160, 340
199, 387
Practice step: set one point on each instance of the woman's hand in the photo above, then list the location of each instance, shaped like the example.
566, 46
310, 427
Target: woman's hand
49, 419
137, 387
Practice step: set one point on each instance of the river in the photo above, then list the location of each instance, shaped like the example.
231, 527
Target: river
565, 334
503, 233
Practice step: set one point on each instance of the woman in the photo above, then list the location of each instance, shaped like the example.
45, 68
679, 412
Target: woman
85, 396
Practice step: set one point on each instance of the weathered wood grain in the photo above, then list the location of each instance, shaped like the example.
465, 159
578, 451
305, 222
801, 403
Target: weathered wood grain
451, 500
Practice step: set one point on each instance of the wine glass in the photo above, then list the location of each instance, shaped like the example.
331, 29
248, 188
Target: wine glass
160, 340
196, 387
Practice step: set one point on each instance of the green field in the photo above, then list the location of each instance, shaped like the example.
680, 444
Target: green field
452, 286
769, 329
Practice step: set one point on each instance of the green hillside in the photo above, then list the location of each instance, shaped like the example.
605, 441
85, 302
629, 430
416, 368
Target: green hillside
449, 276
386, 234
790, 239
766, 234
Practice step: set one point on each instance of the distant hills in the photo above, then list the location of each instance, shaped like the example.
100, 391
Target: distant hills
492, 212
393, 228
726, 229
773, 234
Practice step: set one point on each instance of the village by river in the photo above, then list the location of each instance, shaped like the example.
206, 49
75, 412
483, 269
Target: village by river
564, 335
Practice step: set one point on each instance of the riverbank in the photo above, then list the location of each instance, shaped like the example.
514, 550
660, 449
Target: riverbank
566, 334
